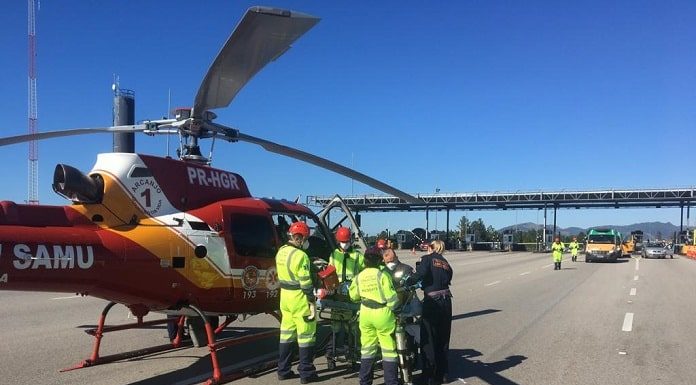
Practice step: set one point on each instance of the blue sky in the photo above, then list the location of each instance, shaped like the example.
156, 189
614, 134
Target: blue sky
462, 96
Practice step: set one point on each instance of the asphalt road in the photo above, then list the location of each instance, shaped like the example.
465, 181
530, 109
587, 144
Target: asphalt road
516, 321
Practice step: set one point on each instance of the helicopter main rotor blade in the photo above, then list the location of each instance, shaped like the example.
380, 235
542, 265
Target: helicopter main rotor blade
261, 36
78, 131
329, 165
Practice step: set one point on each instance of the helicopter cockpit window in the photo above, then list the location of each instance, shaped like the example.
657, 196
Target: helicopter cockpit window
252, 235
319, 247
140, 172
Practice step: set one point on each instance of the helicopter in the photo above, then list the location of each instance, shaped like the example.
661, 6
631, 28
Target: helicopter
175, 236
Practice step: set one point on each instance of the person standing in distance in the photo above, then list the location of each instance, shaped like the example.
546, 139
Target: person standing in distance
297, 306
374, 290
435, 274
574, 246
557, 248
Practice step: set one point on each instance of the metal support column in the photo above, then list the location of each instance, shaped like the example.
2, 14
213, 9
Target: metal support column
688, 209
555, 207
544, 233
123, 114
427, 224
447, 233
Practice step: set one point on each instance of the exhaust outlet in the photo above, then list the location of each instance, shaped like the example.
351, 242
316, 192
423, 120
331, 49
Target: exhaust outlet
72, 184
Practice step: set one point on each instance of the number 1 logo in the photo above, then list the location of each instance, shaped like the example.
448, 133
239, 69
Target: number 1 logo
146, 194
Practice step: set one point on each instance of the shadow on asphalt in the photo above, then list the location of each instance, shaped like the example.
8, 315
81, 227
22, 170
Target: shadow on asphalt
474, 314
617, 261
462, 365
229, 358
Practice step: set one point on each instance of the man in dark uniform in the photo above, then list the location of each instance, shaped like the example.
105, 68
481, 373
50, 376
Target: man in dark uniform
436, 321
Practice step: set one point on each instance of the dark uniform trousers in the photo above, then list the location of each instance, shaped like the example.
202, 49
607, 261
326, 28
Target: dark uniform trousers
436, 326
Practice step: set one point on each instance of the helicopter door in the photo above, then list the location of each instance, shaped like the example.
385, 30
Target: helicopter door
339, 208
252, 247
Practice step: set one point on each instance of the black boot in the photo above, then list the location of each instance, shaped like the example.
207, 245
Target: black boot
285, 362
391, 375
365, 375
308, 373
559, 266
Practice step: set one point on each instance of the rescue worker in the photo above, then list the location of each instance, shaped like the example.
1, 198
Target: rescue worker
347, 260
348, 263
374, 289
382, 245
557, 248
398, 269
297, 306
574, 246
435, 274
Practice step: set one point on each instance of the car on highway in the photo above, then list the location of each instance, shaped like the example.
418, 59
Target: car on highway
656, 250
424, 246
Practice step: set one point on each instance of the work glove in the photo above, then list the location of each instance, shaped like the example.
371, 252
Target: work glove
312, 311
344, 288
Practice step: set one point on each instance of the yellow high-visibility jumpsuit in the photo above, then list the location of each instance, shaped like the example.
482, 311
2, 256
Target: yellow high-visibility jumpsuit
374, 289
574, 246
348, 264
296, 293
557, 249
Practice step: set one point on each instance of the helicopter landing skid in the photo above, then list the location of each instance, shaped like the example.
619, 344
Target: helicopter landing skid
98, 333
213, 346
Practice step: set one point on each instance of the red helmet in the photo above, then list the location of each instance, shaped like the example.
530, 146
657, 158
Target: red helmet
381, 244
299, 228
343, 234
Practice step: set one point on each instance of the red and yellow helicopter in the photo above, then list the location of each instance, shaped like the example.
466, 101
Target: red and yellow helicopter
172, 235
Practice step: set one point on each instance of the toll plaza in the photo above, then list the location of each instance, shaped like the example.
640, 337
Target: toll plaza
683, 198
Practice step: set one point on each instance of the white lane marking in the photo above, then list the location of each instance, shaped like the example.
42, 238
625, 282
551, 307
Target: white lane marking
492, 283
525, 273
549, 265
637, 264
633, 291
70, 297
628, 322
635, 278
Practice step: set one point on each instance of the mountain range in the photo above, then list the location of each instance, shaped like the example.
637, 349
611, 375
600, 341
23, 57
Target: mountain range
651, 230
